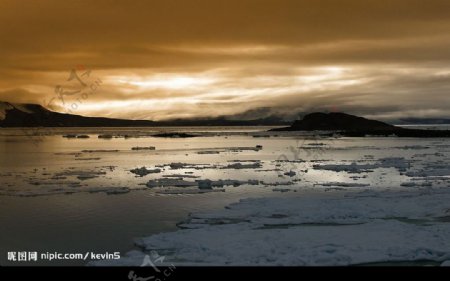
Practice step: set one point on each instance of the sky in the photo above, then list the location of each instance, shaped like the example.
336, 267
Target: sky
166, 59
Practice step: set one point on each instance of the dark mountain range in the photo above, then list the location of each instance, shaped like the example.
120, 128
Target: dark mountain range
33, 115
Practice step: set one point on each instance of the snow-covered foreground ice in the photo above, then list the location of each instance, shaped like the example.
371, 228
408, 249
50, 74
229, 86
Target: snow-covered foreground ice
355, 228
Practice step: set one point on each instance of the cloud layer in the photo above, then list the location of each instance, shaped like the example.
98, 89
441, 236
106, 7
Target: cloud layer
169, 58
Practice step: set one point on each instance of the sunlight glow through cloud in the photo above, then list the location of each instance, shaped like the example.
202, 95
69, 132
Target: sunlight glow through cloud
176, 95
169, 82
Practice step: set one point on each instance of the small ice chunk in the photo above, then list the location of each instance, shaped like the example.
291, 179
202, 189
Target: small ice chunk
177, 165
181, 176
204, 184
189, 191
86, 177
238, 165
391, 162
143, 148
88, 159
82, 136
253, 182
290, 173
81, 175
240, 149
209, 152
143, 171
70, 136
99, 150
344, 184
281, 189
105, 136
352, 168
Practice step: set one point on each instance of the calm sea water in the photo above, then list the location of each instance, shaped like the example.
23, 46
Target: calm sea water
73, 220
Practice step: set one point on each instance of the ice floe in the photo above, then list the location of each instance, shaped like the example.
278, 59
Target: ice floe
143, 148
181, 176
73, 136
143, 171
208, 152
105, 136
240, 165
343, 184
81, 175
394, 162
290, 173
281, 189
312, 230
201, 184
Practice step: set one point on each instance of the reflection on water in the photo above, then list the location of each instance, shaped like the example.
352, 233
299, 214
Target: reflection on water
92, 170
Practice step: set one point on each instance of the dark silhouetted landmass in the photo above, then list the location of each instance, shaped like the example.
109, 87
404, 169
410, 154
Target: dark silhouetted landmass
354, 126
33, 115
336, 121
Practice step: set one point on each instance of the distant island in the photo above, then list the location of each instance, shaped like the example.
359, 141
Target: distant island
34, 115
354, 126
